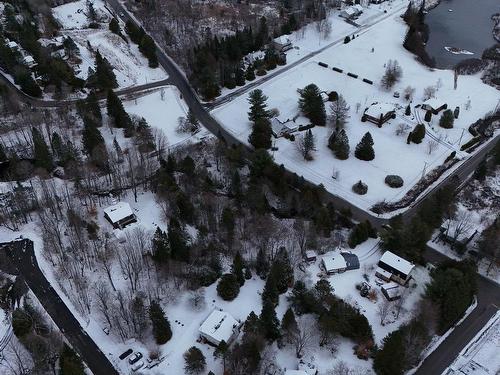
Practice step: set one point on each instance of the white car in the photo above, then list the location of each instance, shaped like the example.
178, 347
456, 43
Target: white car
135, 357
137, 366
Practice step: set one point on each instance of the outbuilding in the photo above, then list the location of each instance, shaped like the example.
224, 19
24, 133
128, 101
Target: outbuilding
434, 105
282, 44
282, 128
394, 268
218, 327
120, 215
351, 11
339, 263
391, 291
29, 61
379, 113
310, 255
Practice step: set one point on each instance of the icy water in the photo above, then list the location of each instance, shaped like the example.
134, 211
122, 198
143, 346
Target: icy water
468, 26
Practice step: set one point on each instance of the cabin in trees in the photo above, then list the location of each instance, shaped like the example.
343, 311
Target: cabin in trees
283, 128
339, 263
120, 215
379, 113
282, 44
351, 11
218, 327
394, 268
434, 105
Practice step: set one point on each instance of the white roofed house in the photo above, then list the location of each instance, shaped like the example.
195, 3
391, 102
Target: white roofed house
29, 61
120, 215
339, 263
218, 327
379, 113
394, 268
282, 128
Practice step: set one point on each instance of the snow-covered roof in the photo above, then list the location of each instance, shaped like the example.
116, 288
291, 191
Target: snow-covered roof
219, 326
310, 254
396, 262
29, 59
358, 7
392, 289
12, 44
351, 260
333, 263
379, 109
383, 272
434, 103
350, 11
118, 211
295, 372
282, 40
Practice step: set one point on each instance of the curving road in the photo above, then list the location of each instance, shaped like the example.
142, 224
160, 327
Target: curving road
23, 262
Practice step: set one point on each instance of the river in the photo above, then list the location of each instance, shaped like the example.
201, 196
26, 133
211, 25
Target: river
468, 26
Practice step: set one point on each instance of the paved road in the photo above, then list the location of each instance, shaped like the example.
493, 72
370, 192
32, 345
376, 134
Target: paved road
47, 103
24, 262
488, 302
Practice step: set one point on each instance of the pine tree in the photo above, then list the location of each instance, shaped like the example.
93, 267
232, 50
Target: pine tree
447, 119
408, 110
269, 322
364, 149
222, 352
57, 145
250, 73
306, 144
237, 268
258, 106
228, 287
160, 246
340, 145
262, 264
104, 75
3, 155
178, 240
121, 119
70, 363
148, 48
282, 271
161, 326
418, 134
428, 115
312, 106
289, 325
41, 152
114, 26
261, 134
194, 361
270, 291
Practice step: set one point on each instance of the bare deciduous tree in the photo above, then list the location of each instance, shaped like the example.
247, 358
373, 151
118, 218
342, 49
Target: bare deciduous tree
432, 145
383, 310
429, 92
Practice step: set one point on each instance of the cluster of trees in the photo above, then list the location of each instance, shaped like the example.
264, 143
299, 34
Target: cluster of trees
144, 41
311, 104
447, 119
219, 61
392, 75
364, 149
102, 77
339, 144
360, 233
409, 240
418, 33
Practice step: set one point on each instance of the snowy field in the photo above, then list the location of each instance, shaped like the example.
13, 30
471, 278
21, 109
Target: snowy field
392, 154
308, 40
130, 66
481, 355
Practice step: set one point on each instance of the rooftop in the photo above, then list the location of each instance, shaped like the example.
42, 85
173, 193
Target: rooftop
379, 109
397, 262
118, 211
219, 326
333, 262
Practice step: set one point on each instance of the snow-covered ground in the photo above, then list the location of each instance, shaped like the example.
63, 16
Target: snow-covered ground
481, 355
130, 66
308, 40
392, 154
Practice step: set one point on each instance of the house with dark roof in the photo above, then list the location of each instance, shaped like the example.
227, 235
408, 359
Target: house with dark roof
379, 113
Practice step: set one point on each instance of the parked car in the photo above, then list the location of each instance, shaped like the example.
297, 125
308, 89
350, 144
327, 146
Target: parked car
135, 358
396, 94
137, 366
125, 354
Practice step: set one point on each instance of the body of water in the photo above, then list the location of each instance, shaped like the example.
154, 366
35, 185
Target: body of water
467, 26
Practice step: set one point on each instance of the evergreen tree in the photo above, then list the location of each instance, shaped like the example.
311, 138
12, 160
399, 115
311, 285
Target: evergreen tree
94, 145
160, 324
408, 110
148, 48
104, 75
237, 268
250, 73
178, 240
289, 327
22, 324
311, 104
3, 155
261, 134
307, 145
282, 271
258, 106
418, 134
340, 145
270, 291
364, 149
194, 361
269, 322
447, 119
70, 363
428, 115
41, 152
388, 361
227, 221
57, 145
120, 117
262, 264
160, 246
222, 351
228, 287
114, 26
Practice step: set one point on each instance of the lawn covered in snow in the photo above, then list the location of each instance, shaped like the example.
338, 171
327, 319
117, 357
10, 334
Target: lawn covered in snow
129, 65
392, 154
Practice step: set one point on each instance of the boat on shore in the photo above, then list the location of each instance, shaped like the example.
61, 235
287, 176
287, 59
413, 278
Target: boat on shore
458, 51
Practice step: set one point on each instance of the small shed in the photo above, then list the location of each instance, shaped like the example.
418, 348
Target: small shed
379, 113
351, 260
219, 326
281, 128
394, 268
282, 44
434, 105
120, 215
29, 61
310, 256
391, 291
351, 11
13, 45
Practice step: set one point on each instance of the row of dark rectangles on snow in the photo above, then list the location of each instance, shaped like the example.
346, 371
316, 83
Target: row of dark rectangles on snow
338, 70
